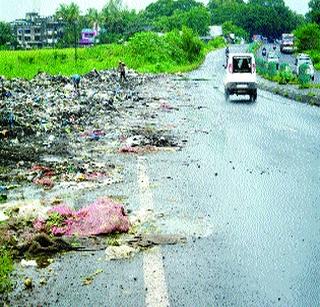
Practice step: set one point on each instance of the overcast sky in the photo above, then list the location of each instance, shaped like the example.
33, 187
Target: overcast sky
13, 9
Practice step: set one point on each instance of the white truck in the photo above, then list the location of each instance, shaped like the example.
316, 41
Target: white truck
305, 59
273, 58
241, 78
287, 43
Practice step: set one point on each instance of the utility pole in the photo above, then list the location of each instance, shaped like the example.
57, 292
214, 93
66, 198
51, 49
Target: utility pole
75, 41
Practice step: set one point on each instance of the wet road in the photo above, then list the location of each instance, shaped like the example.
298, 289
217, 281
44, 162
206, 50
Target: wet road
262, 206
245, 192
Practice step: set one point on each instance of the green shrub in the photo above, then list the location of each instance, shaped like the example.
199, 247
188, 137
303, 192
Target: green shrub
148, 47
254, 47
174, 45
285, 74
217, 42
191, 45
272, 70
262, 67
303, 77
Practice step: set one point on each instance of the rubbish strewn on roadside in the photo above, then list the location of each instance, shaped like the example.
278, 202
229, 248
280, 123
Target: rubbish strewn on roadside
28, 263
101, 217
120, 252
60, 152
131, 245
89, 279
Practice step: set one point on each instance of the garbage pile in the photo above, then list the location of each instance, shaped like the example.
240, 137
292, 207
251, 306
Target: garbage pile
56, 146
36, 228
47, 110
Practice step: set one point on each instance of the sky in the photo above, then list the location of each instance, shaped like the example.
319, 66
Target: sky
13, 9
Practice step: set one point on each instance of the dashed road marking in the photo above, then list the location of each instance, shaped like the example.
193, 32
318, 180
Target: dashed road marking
153, 269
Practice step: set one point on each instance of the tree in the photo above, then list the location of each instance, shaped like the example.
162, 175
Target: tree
198, 19
93, 17
214, 4
70, 14
5, 34
314, 11
268, 3
269, 18
228, 27
308, 36
159, 9
186, 5
119, 23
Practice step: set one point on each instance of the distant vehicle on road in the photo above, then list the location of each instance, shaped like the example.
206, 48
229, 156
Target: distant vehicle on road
273, 58
264, 52
241, 78
305, 59
287, 43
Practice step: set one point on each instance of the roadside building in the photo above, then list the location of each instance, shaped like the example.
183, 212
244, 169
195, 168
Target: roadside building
36, 32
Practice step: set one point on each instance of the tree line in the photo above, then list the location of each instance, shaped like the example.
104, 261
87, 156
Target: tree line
269, 18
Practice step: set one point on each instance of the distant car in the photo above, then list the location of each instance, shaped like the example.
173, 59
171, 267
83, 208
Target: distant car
241, 78
287, 43
305, 59
273, 58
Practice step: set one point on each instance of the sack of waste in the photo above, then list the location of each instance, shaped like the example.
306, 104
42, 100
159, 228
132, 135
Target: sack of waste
101, 217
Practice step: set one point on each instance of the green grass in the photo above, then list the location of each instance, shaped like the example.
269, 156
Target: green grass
6, 267
145, 52
26, 64
315, 55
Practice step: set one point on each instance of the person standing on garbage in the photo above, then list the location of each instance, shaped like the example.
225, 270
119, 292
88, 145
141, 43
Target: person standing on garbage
122, 71
76, 83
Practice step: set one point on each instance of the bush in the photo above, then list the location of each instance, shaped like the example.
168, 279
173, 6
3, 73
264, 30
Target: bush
262, 67
285, 74
315, 55
254, 47
303, 77
191, 45
174, 45
164, 51
148, 47
272, 70
217, 42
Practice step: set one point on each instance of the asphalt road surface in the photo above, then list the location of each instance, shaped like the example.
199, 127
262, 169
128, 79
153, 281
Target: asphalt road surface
245, 191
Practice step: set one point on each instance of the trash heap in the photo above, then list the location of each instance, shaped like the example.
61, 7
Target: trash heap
55, 141
49, 104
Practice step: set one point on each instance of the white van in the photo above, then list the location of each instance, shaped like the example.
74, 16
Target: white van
305, 59
241, 78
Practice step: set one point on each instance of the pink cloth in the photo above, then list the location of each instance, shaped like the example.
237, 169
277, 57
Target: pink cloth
101, 217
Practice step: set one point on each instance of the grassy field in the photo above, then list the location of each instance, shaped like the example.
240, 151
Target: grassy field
6, 267
145, 52
26, 64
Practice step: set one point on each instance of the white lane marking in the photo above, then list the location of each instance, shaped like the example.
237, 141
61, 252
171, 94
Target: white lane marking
154, 276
